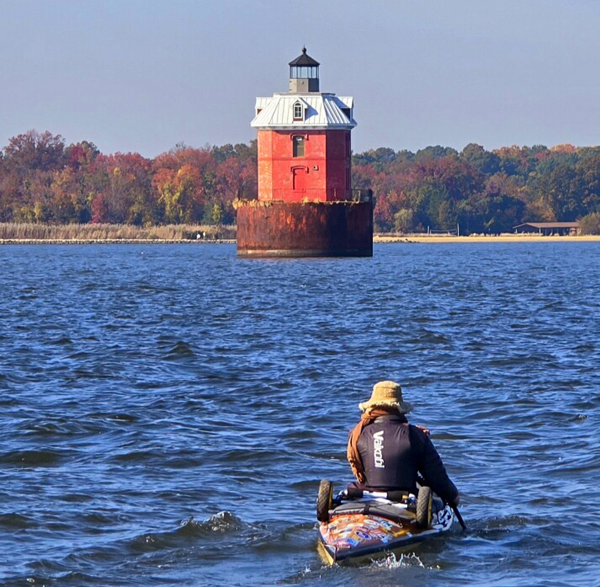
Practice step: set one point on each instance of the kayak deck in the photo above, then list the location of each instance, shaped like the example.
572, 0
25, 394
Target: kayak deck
356, 536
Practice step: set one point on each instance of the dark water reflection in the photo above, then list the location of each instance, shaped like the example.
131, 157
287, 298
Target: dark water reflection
168, 411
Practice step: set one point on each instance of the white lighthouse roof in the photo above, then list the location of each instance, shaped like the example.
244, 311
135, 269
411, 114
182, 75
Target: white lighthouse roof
318, 111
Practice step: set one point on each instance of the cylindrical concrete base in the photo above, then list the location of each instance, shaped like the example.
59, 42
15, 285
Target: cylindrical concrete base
307, 229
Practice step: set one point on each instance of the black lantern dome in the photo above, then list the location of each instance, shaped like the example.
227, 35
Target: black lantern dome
304, 74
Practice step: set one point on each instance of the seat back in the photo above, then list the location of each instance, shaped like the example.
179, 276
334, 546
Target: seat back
370, 507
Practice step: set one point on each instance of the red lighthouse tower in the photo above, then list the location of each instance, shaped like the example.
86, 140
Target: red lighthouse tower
306, 205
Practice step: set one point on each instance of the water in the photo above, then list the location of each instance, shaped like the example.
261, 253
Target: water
167, 412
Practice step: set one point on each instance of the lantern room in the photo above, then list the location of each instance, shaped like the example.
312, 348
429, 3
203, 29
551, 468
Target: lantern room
304, 74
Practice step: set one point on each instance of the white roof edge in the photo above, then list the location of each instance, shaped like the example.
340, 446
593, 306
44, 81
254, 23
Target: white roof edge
304, 127
324, 111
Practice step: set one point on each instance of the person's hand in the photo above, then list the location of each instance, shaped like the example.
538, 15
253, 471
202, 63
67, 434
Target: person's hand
423, 429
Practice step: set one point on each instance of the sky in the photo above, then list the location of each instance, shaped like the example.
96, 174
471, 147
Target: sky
146, 75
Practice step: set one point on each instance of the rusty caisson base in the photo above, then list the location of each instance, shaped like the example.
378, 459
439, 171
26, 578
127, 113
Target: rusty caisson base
304, 229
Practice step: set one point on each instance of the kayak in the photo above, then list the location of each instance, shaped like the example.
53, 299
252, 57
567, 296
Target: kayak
359, 526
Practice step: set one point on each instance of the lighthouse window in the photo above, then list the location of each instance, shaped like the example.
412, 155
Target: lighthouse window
298, 146
298, 111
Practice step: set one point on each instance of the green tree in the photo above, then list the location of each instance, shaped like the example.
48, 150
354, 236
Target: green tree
435, 152
404, 220
217, 214
490, 214
482, 160
590, 223
432, 205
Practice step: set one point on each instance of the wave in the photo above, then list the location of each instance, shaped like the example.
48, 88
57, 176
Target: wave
181, 350
223, 526
33, 458
16, 521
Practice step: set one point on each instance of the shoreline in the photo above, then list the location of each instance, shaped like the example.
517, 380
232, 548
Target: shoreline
113, 241
508, 238
378, 239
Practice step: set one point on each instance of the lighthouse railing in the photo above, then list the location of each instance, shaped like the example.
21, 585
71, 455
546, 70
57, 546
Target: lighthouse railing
361, 195
352, 195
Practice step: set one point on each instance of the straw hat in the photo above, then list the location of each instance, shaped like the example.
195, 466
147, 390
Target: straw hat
386, 393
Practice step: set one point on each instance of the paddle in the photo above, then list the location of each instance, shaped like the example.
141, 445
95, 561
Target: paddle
459, 517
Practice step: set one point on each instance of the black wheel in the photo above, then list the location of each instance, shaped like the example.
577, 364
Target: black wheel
424, 507
324, 500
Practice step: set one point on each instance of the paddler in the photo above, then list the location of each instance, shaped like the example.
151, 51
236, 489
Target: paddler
386, 452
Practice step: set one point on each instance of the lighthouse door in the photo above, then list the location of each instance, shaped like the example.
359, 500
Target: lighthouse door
299, 179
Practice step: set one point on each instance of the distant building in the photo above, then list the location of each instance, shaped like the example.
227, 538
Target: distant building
548, 228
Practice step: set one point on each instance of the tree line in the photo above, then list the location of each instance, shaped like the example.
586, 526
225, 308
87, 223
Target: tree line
482, 191
44, 180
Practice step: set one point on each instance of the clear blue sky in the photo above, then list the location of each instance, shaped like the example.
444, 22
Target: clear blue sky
144, 75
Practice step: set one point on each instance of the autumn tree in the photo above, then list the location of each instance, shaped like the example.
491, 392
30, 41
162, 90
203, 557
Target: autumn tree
35, 151
125, 190
29, 161
181, 193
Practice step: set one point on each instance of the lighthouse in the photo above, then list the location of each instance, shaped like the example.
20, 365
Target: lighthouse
305, 205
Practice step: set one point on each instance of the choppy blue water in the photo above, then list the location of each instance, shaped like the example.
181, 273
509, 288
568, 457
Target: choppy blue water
167, 412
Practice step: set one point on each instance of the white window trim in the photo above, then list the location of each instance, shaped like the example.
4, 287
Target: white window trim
298, 105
